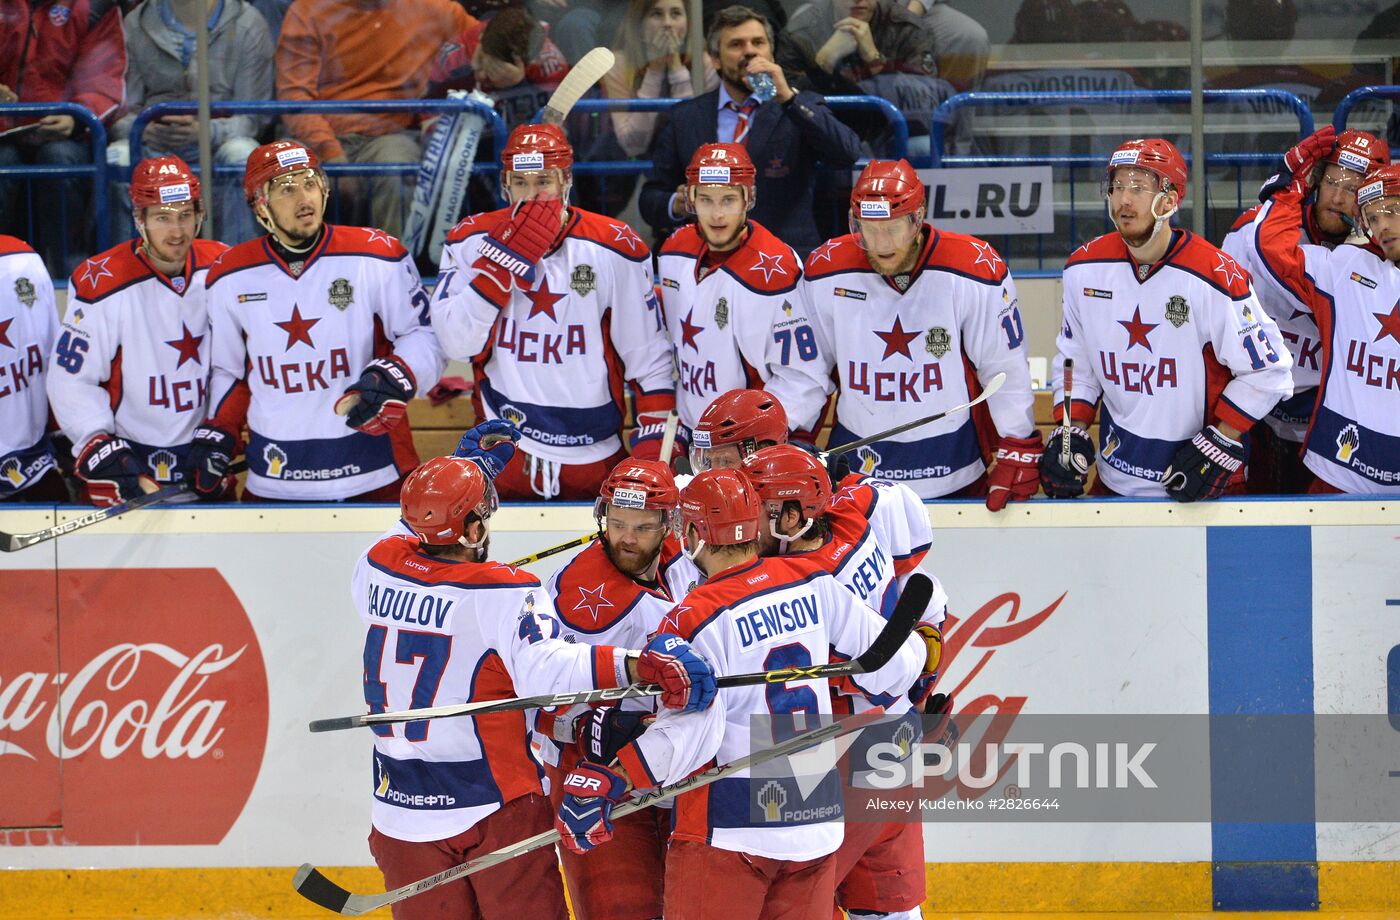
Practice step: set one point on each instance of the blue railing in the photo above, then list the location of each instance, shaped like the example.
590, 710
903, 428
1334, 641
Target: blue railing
96, 171
1361, 94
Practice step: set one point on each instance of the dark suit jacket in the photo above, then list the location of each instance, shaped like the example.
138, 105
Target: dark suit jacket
784, 143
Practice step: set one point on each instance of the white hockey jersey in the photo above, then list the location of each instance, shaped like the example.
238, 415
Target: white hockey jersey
742, 324
902, 356
288, 343
441, 632
28, 330
1353, 292
772, 613
1183, 347
1289, 419
133, 357
554, 358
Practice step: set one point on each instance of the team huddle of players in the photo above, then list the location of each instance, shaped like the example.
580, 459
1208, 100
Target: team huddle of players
760, 562
301, 349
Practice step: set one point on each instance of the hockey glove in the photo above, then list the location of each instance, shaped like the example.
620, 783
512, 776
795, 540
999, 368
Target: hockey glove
1015, 475
585, 816
518, 248
1058, 480
489, 445
603, 732
945, 731
108, 467
933, 653
377, 401
211, 452
1295, 170
686, 679
648, 435
1203, 466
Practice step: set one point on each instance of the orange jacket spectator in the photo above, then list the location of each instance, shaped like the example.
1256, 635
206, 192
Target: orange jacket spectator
360, 49
52, 52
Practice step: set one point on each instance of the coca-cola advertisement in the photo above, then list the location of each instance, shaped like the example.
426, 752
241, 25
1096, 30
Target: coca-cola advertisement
133, 707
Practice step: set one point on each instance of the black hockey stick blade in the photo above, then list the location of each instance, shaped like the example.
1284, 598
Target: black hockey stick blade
992, 386
319, 890
913, 601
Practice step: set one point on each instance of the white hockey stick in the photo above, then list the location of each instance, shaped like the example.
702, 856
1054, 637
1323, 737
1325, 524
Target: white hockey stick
913, 600
668, 438
992, 386
315, 887
579, 80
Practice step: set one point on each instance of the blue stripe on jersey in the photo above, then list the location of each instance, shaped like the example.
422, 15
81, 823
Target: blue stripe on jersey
557, 426
25, 465
1373, 455
906, 461
1296, 409
738, 802
1132, 454
320, 459
425, 785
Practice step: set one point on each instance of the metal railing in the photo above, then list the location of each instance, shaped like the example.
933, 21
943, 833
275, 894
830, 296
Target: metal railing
1358, 95
96, 171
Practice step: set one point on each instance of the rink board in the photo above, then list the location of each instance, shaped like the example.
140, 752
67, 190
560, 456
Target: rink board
160, 670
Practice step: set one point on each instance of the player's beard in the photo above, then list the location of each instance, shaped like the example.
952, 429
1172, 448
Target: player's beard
296, 238
905, 264
728, 242
630, 562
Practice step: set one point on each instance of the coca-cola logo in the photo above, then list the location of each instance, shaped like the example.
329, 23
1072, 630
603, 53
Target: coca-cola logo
133, 707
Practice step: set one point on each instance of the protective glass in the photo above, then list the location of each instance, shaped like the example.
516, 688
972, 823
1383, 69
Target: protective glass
890, 235
712, 202
724, 457
1343, 180
287, 187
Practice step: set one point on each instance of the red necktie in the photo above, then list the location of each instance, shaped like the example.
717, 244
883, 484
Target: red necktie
741, 126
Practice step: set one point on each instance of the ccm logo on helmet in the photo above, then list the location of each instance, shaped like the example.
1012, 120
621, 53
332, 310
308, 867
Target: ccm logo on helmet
714, 175
295, 157
521, 162
874, 209
171, 193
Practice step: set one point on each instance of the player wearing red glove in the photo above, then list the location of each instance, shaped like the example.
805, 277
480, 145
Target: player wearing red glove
554, 308
913, 320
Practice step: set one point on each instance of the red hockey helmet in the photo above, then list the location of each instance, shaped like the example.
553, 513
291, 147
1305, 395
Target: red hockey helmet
721, 164
646, 485
1379, 184
787, 473
163, 180
536, 147
742, 418
887, 189
1359, 152
722, 506
437, 497
1157, 156
276, 159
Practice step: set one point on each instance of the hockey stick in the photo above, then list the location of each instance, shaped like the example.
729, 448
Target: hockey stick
668, 437
579, 80
13, 542
315, 887
912, 602
582, 540
991, 388
1064, 417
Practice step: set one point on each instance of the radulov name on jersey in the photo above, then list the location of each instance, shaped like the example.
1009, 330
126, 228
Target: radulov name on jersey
403, 606
790, 616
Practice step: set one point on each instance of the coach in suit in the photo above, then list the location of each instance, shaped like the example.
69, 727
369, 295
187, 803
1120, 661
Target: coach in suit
784, 136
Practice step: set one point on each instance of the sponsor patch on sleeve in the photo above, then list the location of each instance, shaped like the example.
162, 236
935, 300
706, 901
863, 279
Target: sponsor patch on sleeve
1095, 292
1363, 280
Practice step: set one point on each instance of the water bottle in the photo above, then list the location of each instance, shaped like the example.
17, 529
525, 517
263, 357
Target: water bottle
762, 86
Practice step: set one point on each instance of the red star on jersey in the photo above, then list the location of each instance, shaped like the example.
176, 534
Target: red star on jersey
1137, 330
5, 333
592, 600
542, 301
689, 330
823, 252
94, 270
623, 234
1390, 323
298, 329
377, 236
987, 256
897, 340
187, 345
770, 265
1228, 268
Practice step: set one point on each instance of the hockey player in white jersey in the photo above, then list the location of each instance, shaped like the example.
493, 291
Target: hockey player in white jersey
880, 865
554, 308
913, 320
442, 626
1353, 292
1171, 348
131, 367
309, 321
769, 871
28, 329
731, 294
1275, 445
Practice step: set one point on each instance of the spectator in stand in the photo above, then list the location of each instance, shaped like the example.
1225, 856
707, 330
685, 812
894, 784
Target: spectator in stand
361, 50
160, 38
56, 52
651, 64
784, 136
510, 57
963, 47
